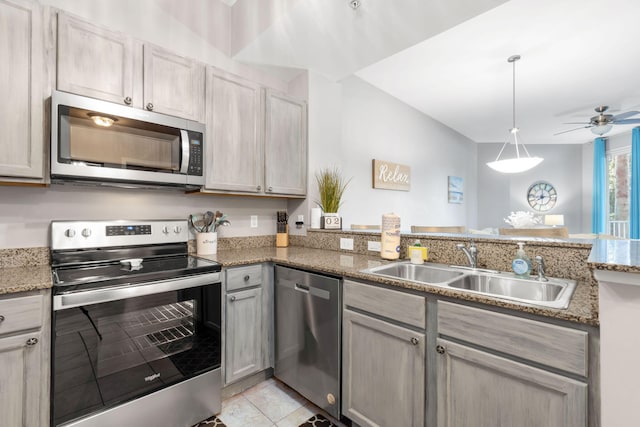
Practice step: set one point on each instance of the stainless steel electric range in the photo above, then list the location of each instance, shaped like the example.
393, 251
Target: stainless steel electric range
136, 326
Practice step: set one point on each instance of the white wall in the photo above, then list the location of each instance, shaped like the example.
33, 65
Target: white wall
500, 194
26, 212
351, 123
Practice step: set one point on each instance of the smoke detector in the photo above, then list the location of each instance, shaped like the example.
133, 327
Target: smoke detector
355, 4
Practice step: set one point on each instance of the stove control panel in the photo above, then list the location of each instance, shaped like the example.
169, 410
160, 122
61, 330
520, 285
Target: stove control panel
96, 234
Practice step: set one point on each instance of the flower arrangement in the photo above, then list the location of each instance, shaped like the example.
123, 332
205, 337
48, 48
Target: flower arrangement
208, 221
522, 219
331, 186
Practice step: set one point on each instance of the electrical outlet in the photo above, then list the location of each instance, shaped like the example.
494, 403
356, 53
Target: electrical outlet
373, 246
346, 244
254, 221
300, 218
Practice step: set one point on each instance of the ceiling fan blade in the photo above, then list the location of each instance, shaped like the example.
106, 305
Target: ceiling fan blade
624, 115
626, 122
576, 123
571, 130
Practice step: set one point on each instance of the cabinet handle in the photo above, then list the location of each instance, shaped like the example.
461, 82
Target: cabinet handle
32, 341
270, 189
127, 100
1, 318
246, 278
259, 187
440, 349
414, 341
150, 106
233, 298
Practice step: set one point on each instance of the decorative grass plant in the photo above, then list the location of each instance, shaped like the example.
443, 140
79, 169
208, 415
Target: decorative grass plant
331, 186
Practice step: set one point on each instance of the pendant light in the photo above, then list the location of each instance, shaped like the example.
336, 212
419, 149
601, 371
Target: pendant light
518, 163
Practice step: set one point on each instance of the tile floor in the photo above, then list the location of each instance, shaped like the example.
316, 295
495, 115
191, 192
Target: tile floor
269, 404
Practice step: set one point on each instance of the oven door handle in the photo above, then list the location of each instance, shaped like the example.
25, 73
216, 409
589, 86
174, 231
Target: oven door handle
184, 145
96, 296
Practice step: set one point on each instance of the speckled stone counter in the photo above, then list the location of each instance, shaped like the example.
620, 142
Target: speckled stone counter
24, 269
616, 255
581, 308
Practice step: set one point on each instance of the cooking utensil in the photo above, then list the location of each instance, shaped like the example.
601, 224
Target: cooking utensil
208, 220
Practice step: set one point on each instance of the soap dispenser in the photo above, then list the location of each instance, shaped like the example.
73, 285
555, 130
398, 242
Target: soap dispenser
521, 264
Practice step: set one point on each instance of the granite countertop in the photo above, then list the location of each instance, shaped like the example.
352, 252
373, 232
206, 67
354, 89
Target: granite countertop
349, 265
22, 279
615, 255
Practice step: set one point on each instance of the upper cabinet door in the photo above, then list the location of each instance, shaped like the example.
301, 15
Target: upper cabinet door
285, 145
172, 84
96, 62
234, 139
21, 86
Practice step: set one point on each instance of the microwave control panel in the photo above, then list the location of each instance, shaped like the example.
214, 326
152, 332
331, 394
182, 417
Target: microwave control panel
195, 154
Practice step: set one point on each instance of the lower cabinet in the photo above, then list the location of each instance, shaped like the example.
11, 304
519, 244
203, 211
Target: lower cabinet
479, 389
248, 319
24, 361
496, 369
383, 357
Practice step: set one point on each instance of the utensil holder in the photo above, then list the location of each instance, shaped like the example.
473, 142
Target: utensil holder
282, 239
207, 243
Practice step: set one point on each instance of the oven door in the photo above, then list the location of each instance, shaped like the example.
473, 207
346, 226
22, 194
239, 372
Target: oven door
111, 346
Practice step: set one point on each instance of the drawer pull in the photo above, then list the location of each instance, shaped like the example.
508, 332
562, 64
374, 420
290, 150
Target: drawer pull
150, 106
128, 100
233, 298
1, 318
246, 278
440, 349
414, 341
32, 341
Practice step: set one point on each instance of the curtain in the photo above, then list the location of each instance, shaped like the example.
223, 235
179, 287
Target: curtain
599, 204
634, 214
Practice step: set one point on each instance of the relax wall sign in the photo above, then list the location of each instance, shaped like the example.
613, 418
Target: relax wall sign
391, 176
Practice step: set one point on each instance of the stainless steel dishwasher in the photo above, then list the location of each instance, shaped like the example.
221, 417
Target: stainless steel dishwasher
307, 321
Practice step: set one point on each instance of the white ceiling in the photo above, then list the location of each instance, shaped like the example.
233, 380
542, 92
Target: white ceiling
448, 58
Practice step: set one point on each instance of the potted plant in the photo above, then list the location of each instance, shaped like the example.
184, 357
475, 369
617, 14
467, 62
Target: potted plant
331, 186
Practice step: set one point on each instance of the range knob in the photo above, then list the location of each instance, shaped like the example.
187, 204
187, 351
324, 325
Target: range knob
86, 232
70, 232
165, 229
177, 229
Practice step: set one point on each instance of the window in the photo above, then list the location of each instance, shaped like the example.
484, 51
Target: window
618, 191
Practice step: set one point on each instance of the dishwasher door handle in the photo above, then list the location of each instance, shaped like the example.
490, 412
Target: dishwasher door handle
301, 288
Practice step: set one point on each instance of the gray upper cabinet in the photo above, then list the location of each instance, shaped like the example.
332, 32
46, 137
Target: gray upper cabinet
285, 145
478, 389
22, 89
113, 66
234, 137
172, 84
96, 62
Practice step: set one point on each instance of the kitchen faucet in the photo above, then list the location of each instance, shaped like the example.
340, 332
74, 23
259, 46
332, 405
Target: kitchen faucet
471, 252
541, 267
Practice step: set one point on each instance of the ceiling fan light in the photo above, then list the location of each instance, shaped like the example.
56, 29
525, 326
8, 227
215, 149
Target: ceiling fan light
515, 165
602, 129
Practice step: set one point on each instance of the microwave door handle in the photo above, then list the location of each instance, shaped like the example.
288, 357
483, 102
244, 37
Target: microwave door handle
184, 144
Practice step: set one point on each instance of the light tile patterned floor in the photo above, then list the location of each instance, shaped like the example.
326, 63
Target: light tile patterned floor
268, 404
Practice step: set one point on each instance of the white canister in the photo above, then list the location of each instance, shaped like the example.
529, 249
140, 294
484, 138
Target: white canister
390, 239
316, 213
207, 243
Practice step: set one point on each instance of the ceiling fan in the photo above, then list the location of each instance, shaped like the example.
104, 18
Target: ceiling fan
602, 123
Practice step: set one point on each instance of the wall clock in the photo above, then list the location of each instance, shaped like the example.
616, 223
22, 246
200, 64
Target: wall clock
542, 196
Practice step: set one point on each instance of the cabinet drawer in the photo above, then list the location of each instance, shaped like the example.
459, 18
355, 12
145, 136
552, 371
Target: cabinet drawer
551, 345
244, 277
396, 305
20, 314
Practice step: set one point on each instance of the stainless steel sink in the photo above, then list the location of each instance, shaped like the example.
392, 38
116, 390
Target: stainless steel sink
555, 293
422, 273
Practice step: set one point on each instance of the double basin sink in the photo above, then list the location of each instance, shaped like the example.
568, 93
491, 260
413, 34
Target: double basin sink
553, 293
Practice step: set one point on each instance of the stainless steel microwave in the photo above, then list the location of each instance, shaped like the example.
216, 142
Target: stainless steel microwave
101, 142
